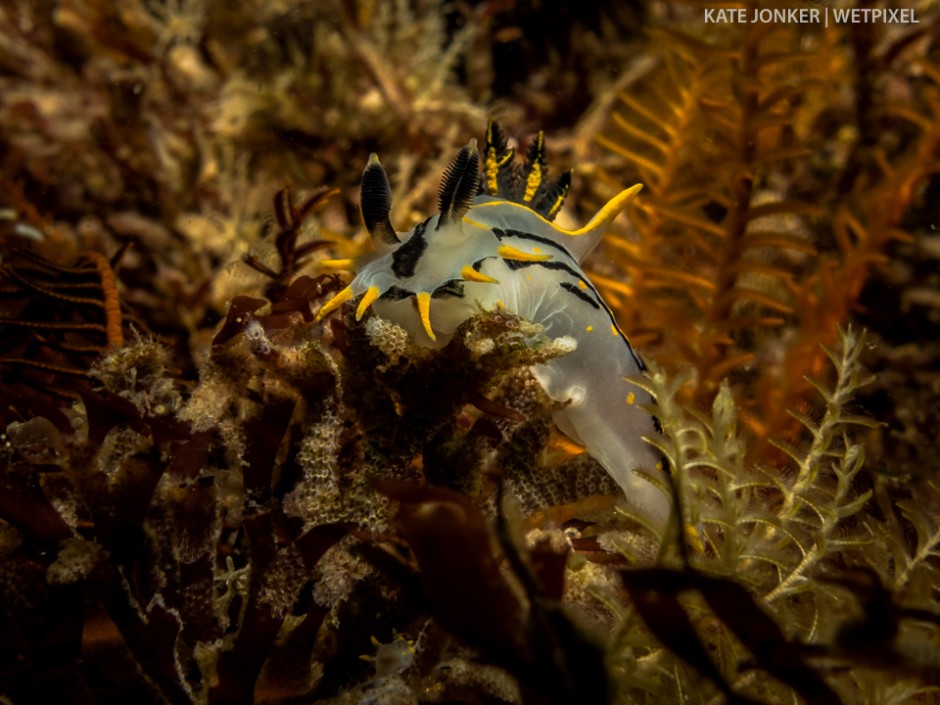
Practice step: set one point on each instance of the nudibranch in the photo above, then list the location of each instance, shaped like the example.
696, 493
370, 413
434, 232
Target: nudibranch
494, 245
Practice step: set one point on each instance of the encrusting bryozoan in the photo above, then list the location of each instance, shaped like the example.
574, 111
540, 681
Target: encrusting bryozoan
493, 245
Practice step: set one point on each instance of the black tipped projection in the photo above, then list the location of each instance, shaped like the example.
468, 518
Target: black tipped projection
375, 203
460, 184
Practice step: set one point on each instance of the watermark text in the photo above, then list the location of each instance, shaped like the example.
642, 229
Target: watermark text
811, 15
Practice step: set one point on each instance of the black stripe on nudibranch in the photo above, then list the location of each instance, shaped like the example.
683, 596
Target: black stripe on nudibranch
405, 259
460, 185
548, 264
583, 295
589, 295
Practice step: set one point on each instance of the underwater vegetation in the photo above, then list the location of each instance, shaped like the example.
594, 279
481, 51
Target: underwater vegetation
211, 491
782, 164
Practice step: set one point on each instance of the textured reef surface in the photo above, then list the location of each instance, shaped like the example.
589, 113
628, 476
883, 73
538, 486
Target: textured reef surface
231, 472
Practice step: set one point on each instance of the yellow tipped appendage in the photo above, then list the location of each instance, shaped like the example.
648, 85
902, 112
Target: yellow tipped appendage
344, 264
610, 211
424, 310
472, 275
602, 218
334, 303
372, 293
510, 252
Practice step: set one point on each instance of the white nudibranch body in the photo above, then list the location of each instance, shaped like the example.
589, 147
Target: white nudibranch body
499, 249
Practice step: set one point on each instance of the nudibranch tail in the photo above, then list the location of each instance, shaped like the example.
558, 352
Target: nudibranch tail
375, 204
585, 238
608, 212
